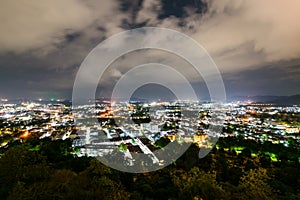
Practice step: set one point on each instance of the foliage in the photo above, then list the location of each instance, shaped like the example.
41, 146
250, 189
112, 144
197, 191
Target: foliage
52, 172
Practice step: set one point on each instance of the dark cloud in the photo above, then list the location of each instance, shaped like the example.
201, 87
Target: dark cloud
254, 43
32, 77
280, 79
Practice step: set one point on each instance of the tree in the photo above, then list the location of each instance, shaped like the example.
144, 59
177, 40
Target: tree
196, 184
18, 165
254, 185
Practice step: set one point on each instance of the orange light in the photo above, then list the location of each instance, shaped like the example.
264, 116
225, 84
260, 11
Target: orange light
25, 135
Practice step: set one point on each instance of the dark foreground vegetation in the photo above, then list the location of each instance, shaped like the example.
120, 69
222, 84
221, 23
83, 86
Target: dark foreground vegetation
236, 169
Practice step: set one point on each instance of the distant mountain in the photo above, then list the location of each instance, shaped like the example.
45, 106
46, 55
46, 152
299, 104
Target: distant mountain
288, 100
278, 100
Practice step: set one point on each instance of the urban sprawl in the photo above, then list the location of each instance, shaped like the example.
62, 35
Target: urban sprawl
137, 127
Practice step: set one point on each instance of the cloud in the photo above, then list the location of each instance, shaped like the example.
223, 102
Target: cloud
248, 33
240, 36
237, 33
32, 24
267, 80
53, 37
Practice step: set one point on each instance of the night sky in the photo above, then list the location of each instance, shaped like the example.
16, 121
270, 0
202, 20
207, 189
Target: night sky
255, 44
